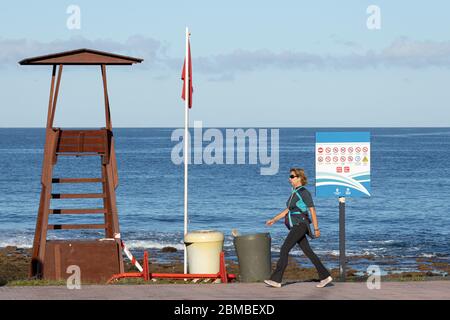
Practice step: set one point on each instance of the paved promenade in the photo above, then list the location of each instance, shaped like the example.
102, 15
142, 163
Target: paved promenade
421, 290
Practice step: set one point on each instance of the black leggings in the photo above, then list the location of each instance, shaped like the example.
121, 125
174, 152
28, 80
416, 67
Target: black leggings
297, 234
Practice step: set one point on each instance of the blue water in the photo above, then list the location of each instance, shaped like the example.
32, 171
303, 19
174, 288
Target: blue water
407, 216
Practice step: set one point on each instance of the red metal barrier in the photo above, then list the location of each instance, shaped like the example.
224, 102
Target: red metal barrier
146, 275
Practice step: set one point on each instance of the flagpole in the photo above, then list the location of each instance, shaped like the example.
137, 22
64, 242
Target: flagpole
186, 144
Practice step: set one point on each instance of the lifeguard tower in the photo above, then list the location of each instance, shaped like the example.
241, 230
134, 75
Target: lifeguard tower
97, 259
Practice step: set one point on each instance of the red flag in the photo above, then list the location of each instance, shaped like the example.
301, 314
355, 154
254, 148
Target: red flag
183, 73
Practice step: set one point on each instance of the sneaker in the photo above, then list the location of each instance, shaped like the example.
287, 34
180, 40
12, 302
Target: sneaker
324, 282
272, 283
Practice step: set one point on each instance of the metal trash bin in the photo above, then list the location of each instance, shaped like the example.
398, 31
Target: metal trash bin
254, 256
203, 251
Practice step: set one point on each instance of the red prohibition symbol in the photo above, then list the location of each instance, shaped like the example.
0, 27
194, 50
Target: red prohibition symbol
328, 159
365, 149
342, 159
328, 150
320, 150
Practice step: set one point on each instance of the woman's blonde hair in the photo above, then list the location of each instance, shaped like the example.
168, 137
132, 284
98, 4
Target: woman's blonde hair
299, 172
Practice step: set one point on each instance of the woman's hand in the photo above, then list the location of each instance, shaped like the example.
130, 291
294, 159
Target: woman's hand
277, 217
317, 233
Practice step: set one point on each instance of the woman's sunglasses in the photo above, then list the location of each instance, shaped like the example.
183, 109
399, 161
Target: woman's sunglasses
292, 176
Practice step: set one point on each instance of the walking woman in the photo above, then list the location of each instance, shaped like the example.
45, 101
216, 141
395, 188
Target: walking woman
297, 220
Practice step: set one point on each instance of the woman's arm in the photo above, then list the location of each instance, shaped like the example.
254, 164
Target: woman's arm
314, 221
277, 217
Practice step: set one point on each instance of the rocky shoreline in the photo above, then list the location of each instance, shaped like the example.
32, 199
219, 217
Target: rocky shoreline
14, 266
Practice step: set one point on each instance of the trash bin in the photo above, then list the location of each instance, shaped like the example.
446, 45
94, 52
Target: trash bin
254, 256
203, 251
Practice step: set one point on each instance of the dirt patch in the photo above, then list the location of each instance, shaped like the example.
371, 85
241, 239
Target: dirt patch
14, 264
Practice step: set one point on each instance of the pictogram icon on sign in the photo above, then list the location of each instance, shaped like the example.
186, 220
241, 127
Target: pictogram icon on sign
320, 150
328, 159
350, 158
335, 159
346, 169
358, 149
342, 159
350, 149
343, 150
320, 159
339, 169
335, 149
328, 150
365, 149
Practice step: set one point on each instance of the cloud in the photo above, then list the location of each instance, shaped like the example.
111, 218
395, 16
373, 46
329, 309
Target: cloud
345, 43
14, 50
417, 54
222, 77
403, 53
245, 61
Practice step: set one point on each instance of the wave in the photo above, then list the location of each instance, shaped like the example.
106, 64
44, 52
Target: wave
428, 255
381, 241
20, 243
335, 253
131, 244
148, 244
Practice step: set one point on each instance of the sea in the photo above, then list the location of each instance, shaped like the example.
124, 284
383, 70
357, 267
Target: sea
405, 221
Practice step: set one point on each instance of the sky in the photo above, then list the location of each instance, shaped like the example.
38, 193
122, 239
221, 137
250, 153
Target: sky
255, 63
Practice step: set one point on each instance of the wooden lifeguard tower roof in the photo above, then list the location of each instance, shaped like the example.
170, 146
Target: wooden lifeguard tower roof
81, 57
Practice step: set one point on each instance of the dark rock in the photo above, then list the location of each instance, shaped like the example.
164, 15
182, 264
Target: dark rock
10, 249
169, 249
431, 274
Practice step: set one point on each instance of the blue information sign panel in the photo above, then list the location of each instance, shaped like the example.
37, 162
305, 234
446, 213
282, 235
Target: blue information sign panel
343, 164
